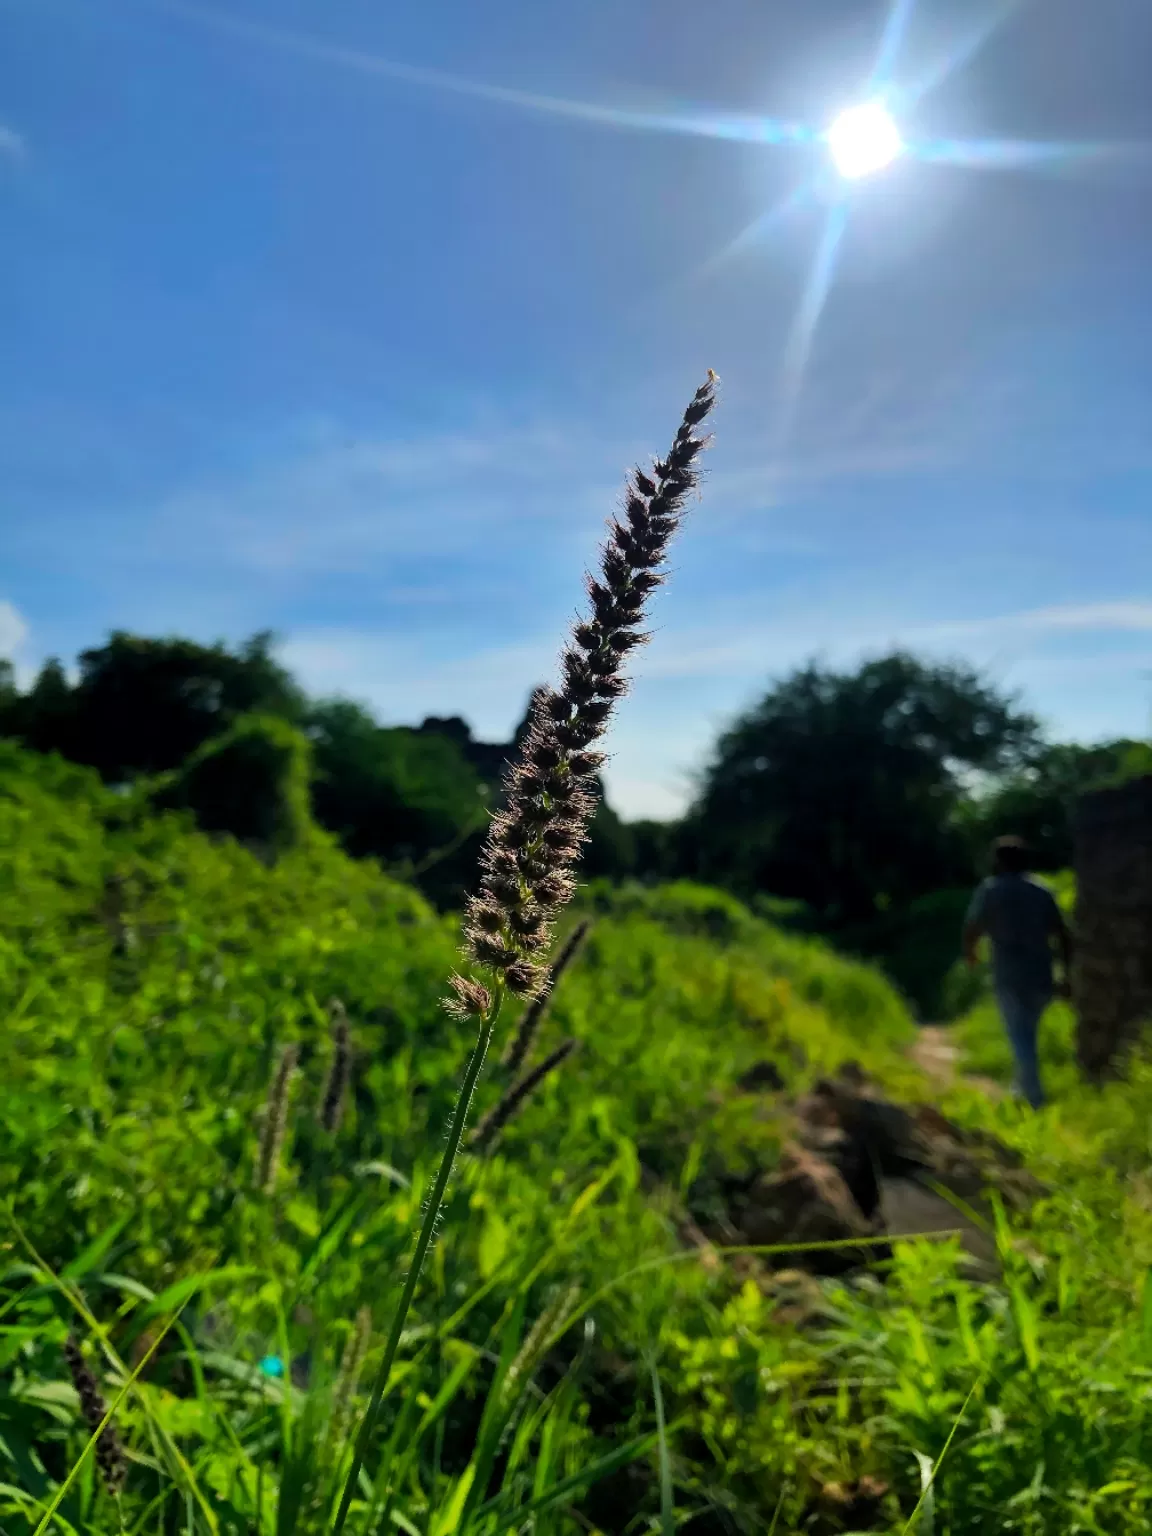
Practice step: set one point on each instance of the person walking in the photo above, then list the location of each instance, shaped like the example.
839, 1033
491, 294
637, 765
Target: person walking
1021, 920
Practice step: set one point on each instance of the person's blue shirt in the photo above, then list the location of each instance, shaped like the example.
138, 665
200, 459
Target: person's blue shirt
1021, 919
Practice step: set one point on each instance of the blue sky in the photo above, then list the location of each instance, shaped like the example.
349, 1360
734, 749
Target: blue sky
298, 336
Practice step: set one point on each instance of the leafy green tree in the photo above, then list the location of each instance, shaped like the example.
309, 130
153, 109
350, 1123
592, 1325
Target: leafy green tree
44, 717
141, 706
1035, 801
396, 794
251, 782
840, 789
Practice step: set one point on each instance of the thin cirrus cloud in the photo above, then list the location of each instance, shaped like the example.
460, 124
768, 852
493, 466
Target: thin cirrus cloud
401, 678
831, 630
13, 145
330, 507
332, 502
1121, 617
13, 631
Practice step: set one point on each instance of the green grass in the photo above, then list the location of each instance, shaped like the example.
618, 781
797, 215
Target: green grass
566, 1366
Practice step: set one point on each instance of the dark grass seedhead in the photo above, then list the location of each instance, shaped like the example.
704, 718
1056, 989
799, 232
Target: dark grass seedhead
348, 1376
533, 844
110, 1458
274, 1128
335, 1091
516, 1097
520, 1046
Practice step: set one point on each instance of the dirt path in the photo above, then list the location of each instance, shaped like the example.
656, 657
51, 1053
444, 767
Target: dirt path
936, 1053
908, 1207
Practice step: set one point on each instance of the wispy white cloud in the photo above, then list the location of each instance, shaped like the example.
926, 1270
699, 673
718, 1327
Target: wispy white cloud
13, 631
836, 629
328, 508
400, 676
332, 501
13, 145
1125, 616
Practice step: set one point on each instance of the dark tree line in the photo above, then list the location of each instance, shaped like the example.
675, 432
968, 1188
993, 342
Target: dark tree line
859, 796
233, 736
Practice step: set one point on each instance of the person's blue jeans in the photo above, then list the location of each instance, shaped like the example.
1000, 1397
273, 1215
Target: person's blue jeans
1022, 1009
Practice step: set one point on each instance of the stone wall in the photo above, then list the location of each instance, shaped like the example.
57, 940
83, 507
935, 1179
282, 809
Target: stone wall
1112, 972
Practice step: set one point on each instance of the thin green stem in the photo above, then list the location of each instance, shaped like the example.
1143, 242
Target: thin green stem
930, 1483
423, 1243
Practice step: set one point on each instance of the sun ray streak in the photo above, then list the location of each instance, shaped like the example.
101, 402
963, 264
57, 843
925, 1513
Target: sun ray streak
1002, 154
803, 332
752, 235
895, 29
694, 122
759, 229
963, 51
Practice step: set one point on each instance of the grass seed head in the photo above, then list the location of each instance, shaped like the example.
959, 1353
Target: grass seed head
110, 1458
274, 1130
533, 844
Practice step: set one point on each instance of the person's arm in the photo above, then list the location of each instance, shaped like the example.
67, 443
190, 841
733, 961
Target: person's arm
974, 931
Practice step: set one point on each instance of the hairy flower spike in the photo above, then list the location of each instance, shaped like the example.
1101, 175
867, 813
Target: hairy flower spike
339, 1076
110, 1456
274, 1129
535, 842
348, 1378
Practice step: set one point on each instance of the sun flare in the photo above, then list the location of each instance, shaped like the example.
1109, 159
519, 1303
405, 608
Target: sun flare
863, 140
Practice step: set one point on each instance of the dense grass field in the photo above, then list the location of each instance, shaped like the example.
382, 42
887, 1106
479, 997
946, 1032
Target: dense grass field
227, 1262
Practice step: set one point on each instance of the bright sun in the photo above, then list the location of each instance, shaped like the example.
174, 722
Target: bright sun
864, 139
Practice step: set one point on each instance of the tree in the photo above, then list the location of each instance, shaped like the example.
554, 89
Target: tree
840, 788
142, 706
43, 717
1035, 802
250, 782
397, 794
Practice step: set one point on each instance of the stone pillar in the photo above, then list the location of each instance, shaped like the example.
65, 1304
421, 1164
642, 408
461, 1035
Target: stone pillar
1112, 971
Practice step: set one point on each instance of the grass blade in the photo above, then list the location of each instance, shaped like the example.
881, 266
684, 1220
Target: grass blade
667, 1515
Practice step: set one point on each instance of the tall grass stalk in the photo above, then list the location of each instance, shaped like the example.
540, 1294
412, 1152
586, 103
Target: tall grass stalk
534, 842
517, 1096
339, 1075
274, 1130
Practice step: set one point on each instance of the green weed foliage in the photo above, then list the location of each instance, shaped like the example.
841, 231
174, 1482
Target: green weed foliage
569, 1365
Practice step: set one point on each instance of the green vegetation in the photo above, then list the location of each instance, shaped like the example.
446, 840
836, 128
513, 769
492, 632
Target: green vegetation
151, 975
857, 805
